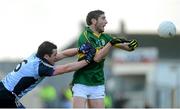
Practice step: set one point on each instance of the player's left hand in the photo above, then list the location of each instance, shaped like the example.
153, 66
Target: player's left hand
89, 56
133, 44
84, 48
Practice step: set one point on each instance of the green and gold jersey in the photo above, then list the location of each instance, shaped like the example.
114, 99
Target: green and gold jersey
93, 73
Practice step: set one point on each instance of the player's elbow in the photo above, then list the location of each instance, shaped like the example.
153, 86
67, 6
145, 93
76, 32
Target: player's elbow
96, 59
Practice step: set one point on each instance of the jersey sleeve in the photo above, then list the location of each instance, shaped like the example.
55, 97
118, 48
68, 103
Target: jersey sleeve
108, 37
83, 38
45, 70
81, 41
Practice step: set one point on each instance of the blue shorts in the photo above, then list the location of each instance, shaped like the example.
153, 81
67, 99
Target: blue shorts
7, 99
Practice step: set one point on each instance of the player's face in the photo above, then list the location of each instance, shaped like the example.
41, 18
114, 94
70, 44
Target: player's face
52, 57
101, 23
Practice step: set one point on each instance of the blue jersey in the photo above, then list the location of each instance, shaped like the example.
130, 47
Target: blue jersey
27, 75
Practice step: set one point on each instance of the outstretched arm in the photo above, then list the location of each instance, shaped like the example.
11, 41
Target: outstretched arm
67, 68
84, 48
128, 45
66, 53
124, 46
75, 65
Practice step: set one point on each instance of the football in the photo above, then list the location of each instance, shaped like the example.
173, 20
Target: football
167, 29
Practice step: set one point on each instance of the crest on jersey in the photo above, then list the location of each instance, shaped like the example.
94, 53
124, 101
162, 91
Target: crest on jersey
103, 42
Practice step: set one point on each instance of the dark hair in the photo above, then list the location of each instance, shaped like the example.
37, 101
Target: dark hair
93, 15
45, 48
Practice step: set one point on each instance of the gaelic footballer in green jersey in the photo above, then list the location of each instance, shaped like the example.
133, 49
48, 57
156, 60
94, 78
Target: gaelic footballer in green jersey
92, 74
88, 82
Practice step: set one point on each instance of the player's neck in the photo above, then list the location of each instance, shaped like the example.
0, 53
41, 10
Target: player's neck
94, 30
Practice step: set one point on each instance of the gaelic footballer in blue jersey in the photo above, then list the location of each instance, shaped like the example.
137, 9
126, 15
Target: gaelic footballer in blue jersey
34, 69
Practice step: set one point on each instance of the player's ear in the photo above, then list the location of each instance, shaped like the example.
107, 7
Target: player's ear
46, 56
93, 21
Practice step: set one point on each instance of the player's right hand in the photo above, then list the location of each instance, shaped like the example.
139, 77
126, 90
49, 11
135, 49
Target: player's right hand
84, 48
133, 44
117, 40
89, 56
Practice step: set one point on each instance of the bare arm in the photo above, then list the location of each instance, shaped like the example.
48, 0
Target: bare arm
105, 50
102, 53
67, 68
66, 53
124, 46
128, 45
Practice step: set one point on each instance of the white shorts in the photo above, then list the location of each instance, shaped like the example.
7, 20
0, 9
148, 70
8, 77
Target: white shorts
88, 92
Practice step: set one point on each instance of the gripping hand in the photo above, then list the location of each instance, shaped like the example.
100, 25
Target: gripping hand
84, 48
89, 56
118, 40
133, 44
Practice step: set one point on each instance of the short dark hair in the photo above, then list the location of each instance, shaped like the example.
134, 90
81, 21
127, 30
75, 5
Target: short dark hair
45, 48
93, 15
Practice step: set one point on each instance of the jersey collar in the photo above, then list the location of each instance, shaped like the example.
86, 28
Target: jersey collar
94, 34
